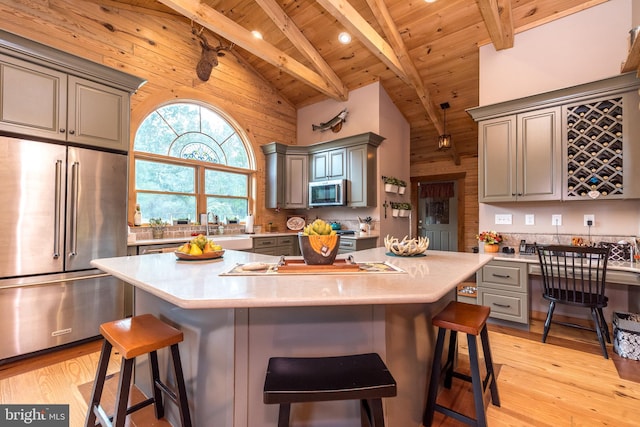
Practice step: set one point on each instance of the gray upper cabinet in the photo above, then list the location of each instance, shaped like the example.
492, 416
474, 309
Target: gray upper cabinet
50, 94
289, 168
327, 165
519, 157
571, 144
287, 176
361, 173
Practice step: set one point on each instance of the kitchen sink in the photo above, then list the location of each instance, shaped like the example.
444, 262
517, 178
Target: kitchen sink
232, 242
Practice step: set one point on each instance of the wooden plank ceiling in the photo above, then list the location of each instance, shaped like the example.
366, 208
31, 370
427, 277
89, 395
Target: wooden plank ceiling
423, 53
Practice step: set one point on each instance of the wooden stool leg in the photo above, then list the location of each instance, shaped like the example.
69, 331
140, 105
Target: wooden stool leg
488, 360
283, 415
434, 383
451, 359
183, 402
377, 413
154, 372
476, 381
98, 385
122, 398
365, 414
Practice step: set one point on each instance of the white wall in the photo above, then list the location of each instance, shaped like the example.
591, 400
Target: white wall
370, 110
586, 46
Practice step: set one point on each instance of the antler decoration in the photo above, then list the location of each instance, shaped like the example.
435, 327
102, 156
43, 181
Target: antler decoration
209, 56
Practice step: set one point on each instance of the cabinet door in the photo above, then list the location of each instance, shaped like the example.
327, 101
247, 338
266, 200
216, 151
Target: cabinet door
539, 165
33, 99
497, 160
98, 115
328, 165
361, 180
296, 183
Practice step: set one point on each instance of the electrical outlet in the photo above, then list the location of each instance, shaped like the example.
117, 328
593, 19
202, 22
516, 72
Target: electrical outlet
556, 219
529, 219
504, 219
588, 218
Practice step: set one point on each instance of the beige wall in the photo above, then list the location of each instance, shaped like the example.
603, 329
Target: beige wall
161, 49
370, 110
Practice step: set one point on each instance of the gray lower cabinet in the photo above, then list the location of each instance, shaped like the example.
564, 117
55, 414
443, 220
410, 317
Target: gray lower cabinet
349, 245
503, 286
277, 245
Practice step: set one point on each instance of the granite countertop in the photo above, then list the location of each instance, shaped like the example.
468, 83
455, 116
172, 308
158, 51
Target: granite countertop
198, 284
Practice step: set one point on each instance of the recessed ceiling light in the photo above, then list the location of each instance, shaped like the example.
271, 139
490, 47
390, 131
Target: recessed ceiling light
344, 38
430, 1
257, 34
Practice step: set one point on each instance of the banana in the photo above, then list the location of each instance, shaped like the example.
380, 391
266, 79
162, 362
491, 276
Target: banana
318, 227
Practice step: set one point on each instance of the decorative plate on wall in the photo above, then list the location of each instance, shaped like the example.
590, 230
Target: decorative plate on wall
295, 223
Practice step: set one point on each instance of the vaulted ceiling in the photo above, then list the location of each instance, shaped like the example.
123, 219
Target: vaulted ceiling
423, 53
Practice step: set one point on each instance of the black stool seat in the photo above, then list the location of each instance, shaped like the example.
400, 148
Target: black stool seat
133, 337
362, 377
470, 319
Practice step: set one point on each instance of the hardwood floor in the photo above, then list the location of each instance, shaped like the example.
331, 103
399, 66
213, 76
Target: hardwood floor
565, 382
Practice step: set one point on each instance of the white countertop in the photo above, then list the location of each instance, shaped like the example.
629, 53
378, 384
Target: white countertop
633, 267
195, 285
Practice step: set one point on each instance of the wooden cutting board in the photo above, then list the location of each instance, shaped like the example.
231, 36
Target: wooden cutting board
298, 265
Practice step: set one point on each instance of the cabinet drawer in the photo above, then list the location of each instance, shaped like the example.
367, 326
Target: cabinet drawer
265, 242
287, 240
503, 276
505, 305
347, 245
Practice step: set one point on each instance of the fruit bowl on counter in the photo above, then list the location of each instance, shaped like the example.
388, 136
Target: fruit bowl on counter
199, 248
406, 247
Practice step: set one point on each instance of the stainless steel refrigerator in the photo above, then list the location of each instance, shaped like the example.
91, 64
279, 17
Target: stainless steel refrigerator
61, 206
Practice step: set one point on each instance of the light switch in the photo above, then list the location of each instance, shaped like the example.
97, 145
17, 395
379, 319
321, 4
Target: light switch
504, 219
529, 219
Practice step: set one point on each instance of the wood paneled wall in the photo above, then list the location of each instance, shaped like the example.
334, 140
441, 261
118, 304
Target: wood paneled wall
160, 48
466, 174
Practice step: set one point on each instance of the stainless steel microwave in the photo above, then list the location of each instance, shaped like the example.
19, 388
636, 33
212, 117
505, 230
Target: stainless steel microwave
328, 193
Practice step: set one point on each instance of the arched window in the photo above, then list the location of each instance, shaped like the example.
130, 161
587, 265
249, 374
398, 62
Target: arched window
189, 159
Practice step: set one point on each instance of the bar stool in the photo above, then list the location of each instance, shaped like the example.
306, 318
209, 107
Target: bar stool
362, 377
132, 337
470, 319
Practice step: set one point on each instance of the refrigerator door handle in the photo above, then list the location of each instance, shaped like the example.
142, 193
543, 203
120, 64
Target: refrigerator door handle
57, 210
75, 188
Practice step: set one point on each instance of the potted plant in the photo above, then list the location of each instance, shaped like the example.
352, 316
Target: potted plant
395, 209
404, 209
157, 227
402, 186
491, 240
390, 184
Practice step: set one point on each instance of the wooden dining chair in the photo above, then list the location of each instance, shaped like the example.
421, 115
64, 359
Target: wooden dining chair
576, 276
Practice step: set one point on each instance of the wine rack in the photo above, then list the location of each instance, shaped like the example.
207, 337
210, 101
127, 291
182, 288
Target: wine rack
594, 149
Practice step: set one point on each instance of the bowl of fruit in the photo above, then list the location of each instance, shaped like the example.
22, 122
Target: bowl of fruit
199, 248
319, 243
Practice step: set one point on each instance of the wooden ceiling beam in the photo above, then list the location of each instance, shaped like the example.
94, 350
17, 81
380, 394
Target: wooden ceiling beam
381, 12
218, 23
498, 19
293, 33
360, 28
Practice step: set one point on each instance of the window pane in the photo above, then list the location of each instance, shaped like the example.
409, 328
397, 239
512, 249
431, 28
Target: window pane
227, 208
236, 152
226, 183
182, 118
154, 135
167, 206
155, 176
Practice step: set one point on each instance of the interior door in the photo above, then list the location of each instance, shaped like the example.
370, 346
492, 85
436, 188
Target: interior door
438, 214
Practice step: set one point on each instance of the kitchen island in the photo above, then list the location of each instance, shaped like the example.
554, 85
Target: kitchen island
234, 323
